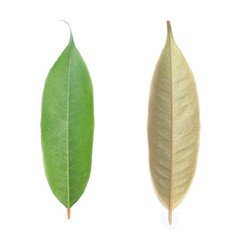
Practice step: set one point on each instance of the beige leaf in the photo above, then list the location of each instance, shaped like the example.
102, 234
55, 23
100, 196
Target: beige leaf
173, 126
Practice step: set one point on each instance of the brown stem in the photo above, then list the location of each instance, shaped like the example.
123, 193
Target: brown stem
69, 213
170, 216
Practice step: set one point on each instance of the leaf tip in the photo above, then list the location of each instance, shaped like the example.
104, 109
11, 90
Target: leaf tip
62, 20
69, 213
71, 37
169, 30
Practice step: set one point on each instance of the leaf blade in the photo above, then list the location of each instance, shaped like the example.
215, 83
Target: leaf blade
173, 120
67, 126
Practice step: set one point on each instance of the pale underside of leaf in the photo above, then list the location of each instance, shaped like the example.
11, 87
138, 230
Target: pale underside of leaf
173, 126
67, 126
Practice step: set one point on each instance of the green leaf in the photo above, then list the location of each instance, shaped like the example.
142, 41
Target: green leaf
173, 126
67, 126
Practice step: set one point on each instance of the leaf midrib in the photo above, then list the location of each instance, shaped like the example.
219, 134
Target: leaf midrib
69, 68
171, 163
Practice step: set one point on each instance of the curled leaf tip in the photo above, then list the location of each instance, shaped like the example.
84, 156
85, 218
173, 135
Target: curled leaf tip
69, 213
71, 37
62, 20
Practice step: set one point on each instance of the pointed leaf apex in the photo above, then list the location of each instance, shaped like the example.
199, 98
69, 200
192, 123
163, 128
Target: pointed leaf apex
169, 31
71, 37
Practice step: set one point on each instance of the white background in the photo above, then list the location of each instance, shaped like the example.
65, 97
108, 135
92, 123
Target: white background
120, 41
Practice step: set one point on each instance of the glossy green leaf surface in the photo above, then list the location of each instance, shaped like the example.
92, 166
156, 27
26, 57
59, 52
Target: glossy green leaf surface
67, 126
